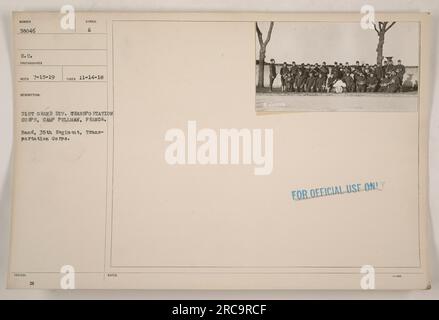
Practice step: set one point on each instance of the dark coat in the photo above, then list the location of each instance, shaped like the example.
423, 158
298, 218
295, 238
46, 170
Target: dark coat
310, 82
272, 70
299, 81
394, 84
379, 72
400, 70
321, 83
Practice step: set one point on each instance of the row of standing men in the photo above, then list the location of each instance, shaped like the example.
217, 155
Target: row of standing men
338, 77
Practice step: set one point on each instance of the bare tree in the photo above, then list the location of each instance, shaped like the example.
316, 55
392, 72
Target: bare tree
381, 30
263, 47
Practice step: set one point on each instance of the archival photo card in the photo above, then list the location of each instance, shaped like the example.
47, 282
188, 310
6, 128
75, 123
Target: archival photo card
140, 163
337, 66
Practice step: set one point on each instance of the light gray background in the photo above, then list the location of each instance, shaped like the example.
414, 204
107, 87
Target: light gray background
315, 43
6, 125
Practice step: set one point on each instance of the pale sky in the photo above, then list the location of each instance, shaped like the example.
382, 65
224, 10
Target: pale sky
311, 42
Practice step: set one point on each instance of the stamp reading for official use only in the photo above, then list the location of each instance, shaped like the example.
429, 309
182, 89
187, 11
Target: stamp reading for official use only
318, 192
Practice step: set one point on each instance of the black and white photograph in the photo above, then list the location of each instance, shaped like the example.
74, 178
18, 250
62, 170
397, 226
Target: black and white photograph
337, 66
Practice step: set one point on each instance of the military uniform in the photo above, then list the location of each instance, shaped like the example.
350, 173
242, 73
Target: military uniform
324, 70
336, 72
294, 70
400, 71
283, 76
299, 83
310, 83
273, 74
371, 82
384, 85
379, 72
390, 68
394, 84
360, 81
350, 83
289, 80
330, 80
320, 84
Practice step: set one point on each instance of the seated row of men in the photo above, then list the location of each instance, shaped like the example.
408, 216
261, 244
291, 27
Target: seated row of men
338, 77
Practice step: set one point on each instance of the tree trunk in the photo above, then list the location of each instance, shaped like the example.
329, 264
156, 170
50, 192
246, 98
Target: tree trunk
380, 48
261, 66
263, 48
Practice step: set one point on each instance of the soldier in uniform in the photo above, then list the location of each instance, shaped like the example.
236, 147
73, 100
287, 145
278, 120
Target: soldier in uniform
299, 82
390, 66
330, 82
324, 70
346, 72
394, 83
283, 76
290, 82
350, 82
294, 68
384, 85
400, 71
310, 82
321, 83
379, 72
316, 69
293, 71
302, 68
353, 70
336, 70
289, 79
385, 66
371, 82
360, 81
307, 70
273, 73
373, 70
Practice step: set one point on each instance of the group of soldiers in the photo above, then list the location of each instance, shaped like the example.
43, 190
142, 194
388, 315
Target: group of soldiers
339, 77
